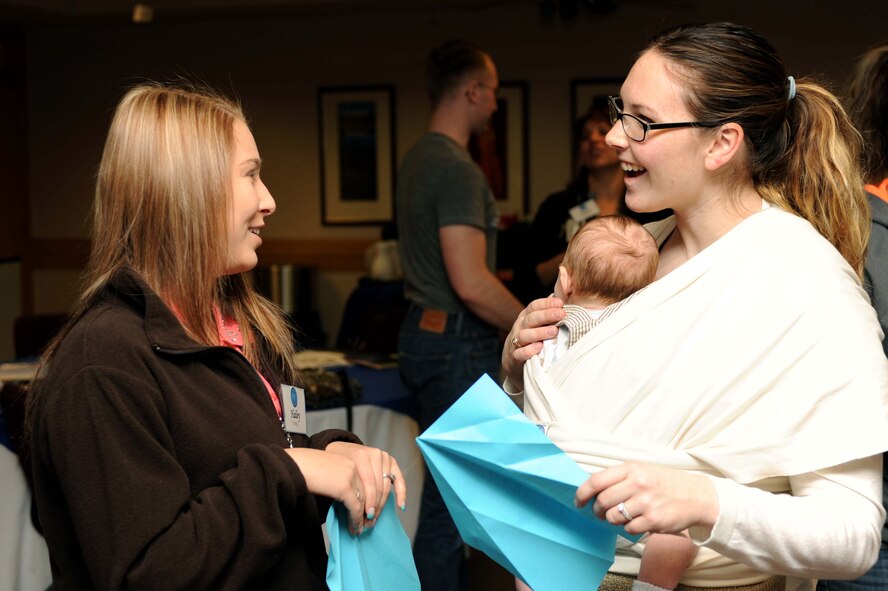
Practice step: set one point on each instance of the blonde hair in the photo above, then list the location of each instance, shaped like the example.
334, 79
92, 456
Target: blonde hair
161, 207
611, 258
802, 151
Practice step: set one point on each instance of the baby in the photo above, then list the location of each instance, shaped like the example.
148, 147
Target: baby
607, 260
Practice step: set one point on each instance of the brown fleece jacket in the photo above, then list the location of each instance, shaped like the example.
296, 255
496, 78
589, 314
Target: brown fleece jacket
159, 463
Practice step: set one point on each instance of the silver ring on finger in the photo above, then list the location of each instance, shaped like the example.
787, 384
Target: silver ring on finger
390, 476
621, 507
358, 493
516, 343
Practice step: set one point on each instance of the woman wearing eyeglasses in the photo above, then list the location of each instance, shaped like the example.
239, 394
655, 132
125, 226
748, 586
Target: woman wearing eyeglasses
742, 395
597, 189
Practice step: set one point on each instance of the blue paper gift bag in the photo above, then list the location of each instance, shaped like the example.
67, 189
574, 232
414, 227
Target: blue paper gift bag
511, 492
380, 559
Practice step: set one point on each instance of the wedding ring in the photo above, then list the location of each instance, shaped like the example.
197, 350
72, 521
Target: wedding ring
622, 509
391, 477
358, 493
516, 343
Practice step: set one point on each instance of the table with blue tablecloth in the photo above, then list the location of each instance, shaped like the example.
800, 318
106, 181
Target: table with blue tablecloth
384, 415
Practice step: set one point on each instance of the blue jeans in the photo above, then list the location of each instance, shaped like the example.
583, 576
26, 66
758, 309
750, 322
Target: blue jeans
437, 367
875, 579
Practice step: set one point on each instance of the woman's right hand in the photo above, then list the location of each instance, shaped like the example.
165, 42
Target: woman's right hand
334, 476
535, 324
647, 498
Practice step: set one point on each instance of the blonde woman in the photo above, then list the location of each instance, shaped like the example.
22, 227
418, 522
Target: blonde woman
743, 393
160, 451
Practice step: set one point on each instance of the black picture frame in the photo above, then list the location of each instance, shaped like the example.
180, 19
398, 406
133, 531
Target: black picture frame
357, 154
584, 90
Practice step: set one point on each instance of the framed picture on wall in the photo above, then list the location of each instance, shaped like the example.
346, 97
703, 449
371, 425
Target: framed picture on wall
357, 154
502, 152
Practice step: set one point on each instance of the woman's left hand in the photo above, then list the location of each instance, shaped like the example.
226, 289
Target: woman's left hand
535, 324
648, 498
379, 473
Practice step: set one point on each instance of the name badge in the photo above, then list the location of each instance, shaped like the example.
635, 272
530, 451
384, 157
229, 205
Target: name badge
294, 409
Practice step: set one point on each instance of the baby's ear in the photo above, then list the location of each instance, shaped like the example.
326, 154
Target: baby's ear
565, 281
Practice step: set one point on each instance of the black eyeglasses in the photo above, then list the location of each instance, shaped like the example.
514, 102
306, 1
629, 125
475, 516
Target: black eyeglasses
637, 130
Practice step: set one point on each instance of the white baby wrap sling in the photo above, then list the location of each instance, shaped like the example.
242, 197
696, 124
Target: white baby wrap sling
757, 359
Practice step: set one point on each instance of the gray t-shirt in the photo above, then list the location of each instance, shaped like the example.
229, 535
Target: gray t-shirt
439, 185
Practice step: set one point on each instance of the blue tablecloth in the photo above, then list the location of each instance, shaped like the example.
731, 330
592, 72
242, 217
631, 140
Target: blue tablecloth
383, 387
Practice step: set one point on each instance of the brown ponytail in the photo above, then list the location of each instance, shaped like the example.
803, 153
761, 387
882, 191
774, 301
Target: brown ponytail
821, 179
803, 152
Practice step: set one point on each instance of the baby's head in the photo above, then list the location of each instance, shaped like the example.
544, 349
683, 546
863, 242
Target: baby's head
607, 260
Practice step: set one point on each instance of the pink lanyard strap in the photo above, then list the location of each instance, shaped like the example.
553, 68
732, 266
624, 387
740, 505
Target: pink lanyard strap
230, 336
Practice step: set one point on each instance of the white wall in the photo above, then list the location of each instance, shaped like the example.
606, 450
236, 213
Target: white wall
76, 73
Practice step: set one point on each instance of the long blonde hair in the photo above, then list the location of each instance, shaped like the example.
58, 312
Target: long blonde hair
162, 203
803, 151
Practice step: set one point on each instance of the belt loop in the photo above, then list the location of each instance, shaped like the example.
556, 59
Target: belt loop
458, 328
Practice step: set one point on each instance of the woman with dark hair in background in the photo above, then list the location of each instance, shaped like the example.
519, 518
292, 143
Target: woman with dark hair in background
597, 189
867, 103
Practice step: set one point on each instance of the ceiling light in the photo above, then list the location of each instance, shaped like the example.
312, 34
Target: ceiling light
143, 13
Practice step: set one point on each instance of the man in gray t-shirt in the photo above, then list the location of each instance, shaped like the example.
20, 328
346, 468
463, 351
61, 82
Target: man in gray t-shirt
439, 185
447, 230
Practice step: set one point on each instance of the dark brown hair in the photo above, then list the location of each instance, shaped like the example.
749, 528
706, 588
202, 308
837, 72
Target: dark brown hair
597, 111
867, 103
448, 64
802, 150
